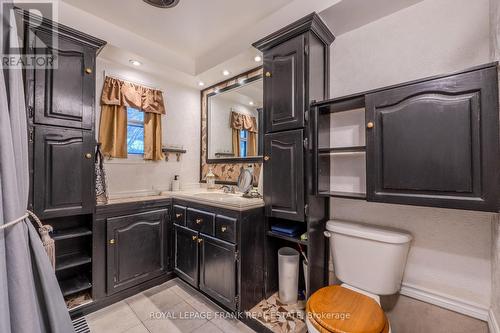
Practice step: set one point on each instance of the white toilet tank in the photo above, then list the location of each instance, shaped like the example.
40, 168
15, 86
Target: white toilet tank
367, 257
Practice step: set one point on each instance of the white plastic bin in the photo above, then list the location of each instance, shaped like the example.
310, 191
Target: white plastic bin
288, 271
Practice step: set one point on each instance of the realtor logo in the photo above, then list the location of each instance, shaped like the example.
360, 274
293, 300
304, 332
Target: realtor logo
25, 45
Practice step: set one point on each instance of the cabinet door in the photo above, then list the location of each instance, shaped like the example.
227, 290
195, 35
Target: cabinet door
63, 95
284, 175
218, 270
436, 143
137, 249
284, 86
186, 254
63, 179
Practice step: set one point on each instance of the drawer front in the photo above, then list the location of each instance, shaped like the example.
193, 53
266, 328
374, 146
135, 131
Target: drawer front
225, 228
180, 215
201, 221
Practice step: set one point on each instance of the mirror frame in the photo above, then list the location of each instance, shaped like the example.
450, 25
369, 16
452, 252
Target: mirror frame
227, 169
260, 142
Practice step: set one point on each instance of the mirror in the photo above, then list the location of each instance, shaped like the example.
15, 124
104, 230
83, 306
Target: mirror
233, 122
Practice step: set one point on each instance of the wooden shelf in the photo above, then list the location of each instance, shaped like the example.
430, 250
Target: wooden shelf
74, 285
72, 260
342, 150
347, 195
288, 238
71, 233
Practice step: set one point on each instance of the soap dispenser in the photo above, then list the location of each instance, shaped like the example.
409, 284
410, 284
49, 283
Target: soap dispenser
210, 179
176, 183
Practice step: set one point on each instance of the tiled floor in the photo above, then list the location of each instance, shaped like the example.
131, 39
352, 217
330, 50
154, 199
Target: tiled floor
172, 307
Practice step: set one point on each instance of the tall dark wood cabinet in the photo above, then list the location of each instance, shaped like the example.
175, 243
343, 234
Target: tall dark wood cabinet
284, 175
60, 102
296, 72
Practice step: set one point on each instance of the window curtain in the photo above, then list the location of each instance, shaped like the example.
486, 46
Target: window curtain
31, 300
236, 142
116, 96
239, 122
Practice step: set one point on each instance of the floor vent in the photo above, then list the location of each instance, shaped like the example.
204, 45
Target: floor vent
81, 326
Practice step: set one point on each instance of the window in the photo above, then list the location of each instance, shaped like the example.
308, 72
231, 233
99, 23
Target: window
135, 131
243, 143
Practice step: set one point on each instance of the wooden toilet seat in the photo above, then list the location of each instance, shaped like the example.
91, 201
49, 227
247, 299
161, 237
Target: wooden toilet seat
335, 309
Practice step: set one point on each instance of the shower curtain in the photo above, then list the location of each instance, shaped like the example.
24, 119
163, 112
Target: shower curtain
30, 298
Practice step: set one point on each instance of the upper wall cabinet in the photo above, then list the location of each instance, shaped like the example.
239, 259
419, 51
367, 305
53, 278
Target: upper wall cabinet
284, 86
436, 142
295, 61
62, 94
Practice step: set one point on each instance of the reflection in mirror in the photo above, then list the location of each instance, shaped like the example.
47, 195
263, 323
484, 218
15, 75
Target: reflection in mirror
233, 122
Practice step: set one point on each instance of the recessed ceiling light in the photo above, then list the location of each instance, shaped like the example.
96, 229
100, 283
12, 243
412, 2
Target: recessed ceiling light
135, 62
225, 72
251, 103
257, 58
201, 83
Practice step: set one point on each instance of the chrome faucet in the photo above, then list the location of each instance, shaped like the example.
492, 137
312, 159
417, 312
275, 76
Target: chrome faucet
228, 189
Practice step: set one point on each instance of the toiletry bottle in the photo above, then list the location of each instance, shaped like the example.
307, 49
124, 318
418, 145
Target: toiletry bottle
176, 183
210, 179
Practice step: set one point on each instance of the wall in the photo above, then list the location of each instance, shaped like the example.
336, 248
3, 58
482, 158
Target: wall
451, 252
181, 126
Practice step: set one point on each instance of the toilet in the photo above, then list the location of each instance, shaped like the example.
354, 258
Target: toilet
369, 261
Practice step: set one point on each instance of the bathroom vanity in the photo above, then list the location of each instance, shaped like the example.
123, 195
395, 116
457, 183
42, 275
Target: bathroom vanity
210, 239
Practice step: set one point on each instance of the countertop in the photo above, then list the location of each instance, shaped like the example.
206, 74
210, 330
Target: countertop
215, 198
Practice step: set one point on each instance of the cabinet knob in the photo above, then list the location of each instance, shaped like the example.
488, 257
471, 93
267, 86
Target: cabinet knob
88, 156
88, 70
223, 229
111, 241
195, 238
199, 221
370, 124
178, 215
200, 240
266, 158
268, 74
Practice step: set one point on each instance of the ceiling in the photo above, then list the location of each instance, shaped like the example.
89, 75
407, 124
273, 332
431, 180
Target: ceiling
197, 39
191, 28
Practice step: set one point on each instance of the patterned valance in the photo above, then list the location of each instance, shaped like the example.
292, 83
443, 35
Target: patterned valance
124, 93
243, 122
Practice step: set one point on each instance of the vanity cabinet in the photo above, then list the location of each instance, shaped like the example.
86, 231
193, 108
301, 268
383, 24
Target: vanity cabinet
284, 85
218, 261
136, 248
222, 254
186, 254
284, 175
132, 247
436, 142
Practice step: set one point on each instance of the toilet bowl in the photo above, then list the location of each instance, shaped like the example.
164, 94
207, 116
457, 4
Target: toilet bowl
370, 261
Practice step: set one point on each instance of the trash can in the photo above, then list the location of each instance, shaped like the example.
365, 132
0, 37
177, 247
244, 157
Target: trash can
288, 272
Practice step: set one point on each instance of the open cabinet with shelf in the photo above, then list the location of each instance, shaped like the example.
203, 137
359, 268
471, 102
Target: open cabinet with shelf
341, 149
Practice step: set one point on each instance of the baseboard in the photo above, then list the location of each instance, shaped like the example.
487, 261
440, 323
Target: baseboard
493, 325
467, 308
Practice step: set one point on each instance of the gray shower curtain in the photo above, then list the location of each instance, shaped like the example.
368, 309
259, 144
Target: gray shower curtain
30, 298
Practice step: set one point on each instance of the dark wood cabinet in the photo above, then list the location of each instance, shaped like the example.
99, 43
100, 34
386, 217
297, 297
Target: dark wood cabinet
186, 254
284, 175
284, 86
63, 172
137, 248
436, 142
218, 270
229, 267
65, 94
